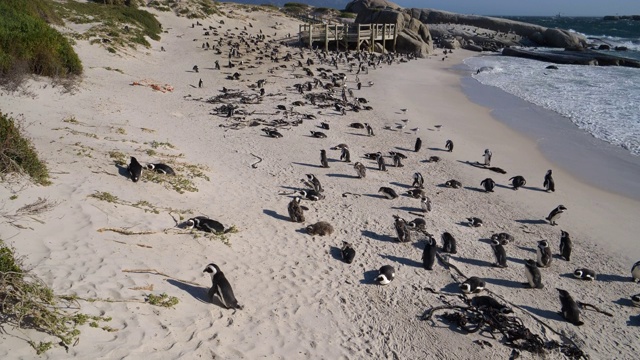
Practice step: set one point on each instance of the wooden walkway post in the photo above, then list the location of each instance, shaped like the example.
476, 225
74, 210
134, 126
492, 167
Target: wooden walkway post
310, 36
326, 37
337, 38
395, 37
384, 34
358, 42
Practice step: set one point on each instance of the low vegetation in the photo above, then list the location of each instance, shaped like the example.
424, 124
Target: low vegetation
26, 302
191, 9
116, 25
29, 45
17, 154
347, 15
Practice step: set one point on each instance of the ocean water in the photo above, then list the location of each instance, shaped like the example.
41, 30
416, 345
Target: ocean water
603, 101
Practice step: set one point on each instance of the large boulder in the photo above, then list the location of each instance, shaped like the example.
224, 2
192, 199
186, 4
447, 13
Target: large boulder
359, 5
412, 43
563, 39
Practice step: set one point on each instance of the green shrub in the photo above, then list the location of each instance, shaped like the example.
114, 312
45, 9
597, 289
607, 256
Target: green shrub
29, 45
17, 154
347, 15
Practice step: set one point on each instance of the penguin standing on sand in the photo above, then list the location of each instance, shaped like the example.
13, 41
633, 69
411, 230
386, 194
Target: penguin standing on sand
543, 252
500, 253
425, 204
361, 170
569, 310
472, 285
418, 145
386, 274
348, 252
533, 275
381, 165
323, 158
555, 214
565, 245
345, 155
134, 169
448, 243
449, 146
296, 213
315, 182
488, 184
518, 182
549, 184
397, 160
220, 286
487, 157
429, 253
369, 129
635, 271
418, 181
402, 230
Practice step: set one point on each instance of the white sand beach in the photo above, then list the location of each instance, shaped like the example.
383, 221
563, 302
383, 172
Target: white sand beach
301, 301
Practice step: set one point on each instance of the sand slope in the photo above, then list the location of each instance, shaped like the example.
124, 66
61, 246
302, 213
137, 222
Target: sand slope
300, 300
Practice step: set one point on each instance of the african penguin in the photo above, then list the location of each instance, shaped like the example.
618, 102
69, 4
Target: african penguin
220, 286
474, 222
296, 213
635, 271
310, 194
425, 204
381, 165
361, 170
134, 169
205, 224
481, 302
518, 182
565, 245
555, 214
402, 230
488, 184
503, 238
315, 182
500, 253
635, 299
417, 224
323, 158
449, 145
487, 157
429, 253
569, 310
453, 184
448, 243
369, 129
533, 275
416, 193
418, 181
397, 161
345, 155
585, 274
348, 252
543, 252
161, 168
357, 125
388, 192
318, 134
386, 274
549, 184
320, 228
472, 285
418, 145
272, 133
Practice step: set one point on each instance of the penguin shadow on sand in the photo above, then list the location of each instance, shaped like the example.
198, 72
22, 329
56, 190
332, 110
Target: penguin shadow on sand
437, 149
613, 278
123, 170
547, 314
634, 321
405, 186
532, 221
470, 261
502, 186
402, 260
376, 236
345, 176
516, 260
336, 253
358, 134
405, 149
504, 283
376, 196
485, 240
275, 215
305, 164
407, 208
528, 249
451, 288
369, 277
473, 189
197, 292
533, 188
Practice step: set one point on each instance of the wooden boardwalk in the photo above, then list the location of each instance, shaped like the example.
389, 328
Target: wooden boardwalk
344, 35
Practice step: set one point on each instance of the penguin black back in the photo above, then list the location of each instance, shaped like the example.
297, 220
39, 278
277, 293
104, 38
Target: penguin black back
323, 159
418, 144
348, 252
569, 310
220, 286
565, 245
134, 169
448, 243
429, 253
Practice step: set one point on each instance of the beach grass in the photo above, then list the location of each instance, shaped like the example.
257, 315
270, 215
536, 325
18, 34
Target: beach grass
17, 154
191, 9
120, 26
29, 45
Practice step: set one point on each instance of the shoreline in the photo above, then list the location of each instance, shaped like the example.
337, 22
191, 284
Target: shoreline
560, 140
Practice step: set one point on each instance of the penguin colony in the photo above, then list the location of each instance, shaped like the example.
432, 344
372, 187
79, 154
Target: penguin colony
386, 274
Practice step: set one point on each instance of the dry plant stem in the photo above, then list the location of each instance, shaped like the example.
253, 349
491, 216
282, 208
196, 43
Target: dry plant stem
156, 272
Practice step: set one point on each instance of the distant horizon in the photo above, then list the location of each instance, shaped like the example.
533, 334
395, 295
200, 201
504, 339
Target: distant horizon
501, 8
